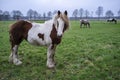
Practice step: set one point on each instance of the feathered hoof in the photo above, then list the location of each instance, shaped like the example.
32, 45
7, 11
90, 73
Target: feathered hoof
17, 62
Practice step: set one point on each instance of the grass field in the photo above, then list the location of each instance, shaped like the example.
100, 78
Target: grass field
84, 54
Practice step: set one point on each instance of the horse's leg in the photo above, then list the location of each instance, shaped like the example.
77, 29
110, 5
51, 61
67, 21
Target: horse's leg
115, 22
81, 25
14, 56
85, 25
14, 50
50, 56
89, 25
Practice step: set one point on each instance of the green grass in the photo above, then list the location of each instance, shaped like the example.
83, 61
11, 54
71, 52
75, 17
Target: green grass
84, 54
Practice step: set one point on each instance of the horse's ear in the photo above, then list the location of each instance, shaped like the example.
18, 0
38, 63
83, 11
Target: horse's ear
65, 12
59, 12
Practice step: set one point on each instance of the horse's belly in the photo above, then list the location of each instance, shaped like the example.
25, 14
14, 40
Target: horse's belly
38, 41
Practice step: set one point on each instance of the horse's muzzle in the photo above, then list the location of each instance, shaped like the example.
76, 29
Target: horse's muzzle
59, 37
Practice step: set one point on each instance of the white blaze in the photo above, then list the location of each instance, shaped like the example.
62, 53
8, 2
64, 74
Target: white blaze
60, 27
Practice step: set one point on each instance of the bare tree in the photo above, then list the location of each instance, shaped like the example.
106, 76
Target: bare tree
75, 13
109, 14
99, 12
16, 14
44, 15
6, 15
49, 14
35, 15
39, 16
119, 13
81, 12
30, 13
91, 14
1, 14
86, 13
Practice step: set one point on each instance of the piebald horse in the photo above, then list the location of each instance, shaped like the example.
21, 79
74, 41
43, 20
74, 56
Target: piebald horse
47, 34
85, 22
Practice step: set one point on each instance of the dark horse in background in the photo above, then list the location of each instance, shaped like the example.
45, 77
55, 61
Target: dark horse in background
86, 23
112, 20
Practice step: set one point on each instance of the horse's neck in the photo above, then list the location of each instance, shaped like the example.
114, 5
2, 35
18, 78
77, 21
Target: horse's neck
51, 22
54, 21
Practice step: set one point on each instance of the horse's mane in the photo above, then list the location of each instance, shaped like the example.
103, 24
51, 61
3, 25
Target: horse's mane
53, 20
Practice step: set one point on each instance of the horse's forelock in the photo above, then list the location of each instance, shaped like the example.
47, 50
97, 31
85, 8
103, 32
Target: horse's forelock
65, 19
55, 17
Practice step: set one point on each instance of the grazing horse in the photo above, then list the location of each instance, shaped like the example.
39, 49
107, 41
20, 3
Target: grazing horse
112, 20
40, 34
85, 22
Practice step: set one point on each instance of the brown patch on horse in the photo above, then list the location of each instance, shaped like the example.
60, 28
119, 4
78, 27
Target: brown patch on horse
41, 36
54, 37
65, 27
19, 31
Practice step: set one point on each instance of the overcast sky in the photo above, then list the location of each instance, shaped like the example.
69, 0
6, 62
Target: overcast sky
42, 6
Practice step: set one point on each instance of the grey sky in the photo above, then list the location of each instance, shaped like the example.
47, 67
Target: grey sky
42, 6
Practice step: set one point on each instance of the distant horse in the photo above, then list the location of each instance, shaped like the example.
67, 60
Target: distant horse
40, 34
112, 20
86, 23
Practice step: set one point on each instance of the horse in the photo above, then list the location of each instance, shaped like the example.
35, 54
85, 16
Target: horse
47, 34
112, 20
85, 22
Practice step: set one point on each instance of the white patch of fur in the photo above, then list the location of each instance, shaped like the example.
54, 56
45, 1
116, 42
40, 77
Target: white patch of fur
37, 28
60, 27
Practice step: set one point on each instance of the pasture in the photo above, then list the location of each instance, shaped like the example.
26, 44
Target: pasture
84, 54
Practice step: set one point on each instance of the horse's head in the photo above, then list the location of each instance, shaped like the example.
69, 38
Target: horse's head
63, 23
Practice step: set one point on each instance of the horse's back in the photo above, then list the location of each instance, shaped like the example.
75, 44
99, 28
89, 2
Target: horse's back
20, 26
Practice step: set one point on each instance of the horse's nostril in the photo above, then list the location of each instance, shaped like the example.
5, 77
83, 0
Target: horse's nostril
59, 36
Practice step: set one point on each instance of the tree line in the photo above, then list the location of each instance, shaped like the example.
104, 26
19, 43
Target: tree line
99, 12
31, 15
34, 15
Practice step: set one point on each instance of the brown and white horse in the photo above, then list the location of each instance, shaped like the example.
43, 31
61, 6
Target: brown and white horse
85, 22
45, 34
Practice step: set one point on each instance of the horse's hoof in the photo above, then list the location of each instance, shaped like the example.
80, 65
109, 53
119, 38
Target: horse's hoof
50, 66
17, 62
